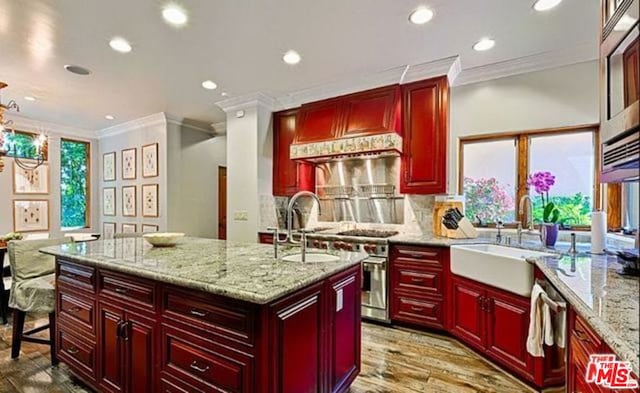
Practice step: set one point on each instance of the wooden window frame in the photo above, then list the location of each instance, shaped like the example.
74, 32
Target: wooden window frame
45, 146
522, 140
87, 215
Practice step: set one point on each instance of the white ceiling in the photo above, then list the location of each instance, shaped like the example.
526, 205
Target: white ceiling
239, 44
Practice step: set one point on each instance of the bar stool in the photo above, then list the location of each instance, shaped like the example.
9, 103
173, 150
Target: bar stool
32, 290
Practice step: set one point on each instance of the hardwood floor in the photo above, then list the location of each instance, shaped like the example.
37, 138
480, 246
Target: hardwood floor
393, 361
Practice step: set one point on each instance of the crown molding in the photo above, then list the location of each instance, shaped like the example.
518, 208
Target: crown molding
219, 128
133, 125
248, 101
27, 124
190, 124
537, 62
449, 66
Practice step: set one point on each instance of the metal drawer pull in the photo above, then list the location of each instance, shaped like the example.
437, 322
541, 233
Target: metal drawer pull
73, 350
581, 335
121, 290
420, 255
417, 309
414, 279
198, 313
70, 275
194, 366
74, 310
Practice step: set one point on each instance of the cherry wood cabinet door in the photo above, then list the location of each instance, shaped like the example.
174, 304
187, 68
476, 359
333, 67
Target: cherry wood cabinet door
507, 327
345, 331
468, 316
110, 348
289, 176
425, 134
298, 327
373, 112
139, 337
319, 121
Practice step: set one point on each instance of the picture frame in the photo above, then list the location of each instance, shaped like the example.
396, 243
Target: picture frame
109, 166
129, 201
109, 201
108, 230
31, 181
129, 228
129, 164
150, 200
150, 228
30, 215
150, 160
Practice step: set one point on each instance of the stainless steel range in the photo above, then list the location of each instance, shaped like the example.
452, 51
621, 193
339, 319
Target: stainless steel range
375, 297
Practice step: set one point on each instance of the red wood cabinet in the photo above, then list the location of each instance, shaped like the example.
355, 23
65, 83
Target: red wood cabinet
469, 319
419, 285
372, 112
139, 335
425, 134
289, 176
319, 121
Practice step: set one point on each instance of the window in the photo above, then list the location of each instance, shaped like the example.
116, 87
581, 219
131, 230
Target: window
74, 184
494, 172
630, 208
489, 182
21, 144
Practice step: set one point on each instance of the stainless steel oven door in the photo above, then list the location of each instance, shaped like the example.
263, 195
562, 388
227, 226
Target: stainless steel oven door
374, 288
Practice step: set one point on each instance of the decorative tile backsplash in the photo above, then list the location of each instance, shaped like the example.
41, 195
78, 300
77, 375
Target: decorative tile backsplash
363, 144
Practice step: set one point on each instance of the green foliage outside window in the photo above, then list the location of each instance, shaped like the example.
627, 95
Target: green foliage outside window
574, 210
19, 145
74, 176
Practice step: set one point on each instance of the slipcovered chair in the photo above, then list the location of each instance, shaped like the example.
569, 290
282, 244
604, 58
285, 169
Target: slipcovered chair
32, 290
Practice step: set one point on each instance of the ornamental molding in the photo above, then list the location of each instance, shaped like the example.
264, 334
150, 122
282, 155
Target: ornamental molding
133, 125
347, 146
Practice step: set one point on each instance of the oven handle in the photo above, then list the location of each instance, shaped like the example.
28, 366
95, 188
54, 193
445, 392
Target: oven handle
375, 261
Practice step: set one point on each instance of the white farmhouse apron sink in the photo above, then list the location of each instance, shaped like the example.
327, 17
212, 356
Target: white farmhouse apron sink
501, 267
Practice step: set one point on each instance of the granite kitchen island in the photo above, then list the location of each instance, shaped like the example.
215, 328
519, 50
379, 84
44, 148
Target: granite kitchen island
206, 315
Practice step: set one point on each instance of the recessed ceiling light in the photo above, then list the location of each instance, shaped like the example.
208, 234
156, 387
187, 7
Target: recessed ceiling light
291, 57
76, 69
119, 44
29, 98
484, 44
109, 117
224, 94
545, 5
420, 16
209, 85
174, 14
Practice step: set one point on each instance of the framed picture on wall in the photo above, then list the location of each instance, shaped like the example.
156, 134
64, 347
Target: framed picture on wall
150, 203
30, 215
129, 201
109, 166
109, 201
31, 181
129, 164
148, 228
108, 229
129, 228
150, 160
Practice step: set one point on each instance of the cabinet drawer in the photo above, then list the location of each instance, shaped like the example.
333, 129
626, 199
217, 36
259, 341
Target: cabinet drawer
585, 337
205, 364
78, 353
426, 281
82, 277
424, 312
115, 285
75, 310
235, 321
426, 256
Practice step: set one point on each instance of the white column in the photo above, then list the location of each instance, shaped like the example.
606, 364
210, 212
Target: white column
249, 162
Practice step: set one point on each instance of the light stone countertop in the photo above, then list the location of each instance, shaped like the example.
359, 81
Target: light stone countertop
244, 271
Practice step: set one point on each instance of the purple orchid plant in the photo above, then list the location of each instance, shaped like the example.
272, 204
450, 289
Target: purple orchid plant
542, 182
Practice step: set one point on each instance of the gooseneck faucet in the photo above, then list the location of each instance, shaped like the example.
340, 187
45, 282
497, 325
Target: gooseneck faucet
527, 218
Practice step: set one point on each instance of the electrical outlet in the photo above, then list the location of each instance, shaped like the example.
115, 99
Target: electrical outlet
240, 215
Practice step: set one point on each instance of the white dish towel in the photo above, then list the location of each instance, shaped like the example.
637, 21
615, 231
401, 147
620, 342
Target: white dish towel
540, 328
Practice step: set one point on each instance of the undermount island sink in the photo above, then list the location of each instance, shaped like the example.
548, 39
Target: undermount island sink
502, 267
311, 258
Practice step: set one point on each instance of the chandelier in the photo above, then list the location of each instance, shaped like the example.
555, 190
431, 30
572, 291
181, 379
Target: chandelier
39, 142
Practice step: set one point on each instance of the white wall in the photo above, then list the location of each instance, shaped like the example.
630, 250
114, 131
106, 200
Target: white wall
194, 157
135, 134
55, 133
558, 97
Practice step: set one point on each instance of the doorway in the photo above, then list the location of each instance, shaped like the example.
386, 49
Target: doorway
222, 202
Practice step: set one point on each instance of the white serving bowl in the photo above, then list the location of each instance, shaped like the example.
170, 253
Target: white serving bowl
159, 239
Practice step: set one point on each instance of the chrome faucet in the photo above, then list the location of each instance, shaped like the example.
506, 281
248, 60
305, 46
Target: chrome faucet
499, 227
288, 236
528, 220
